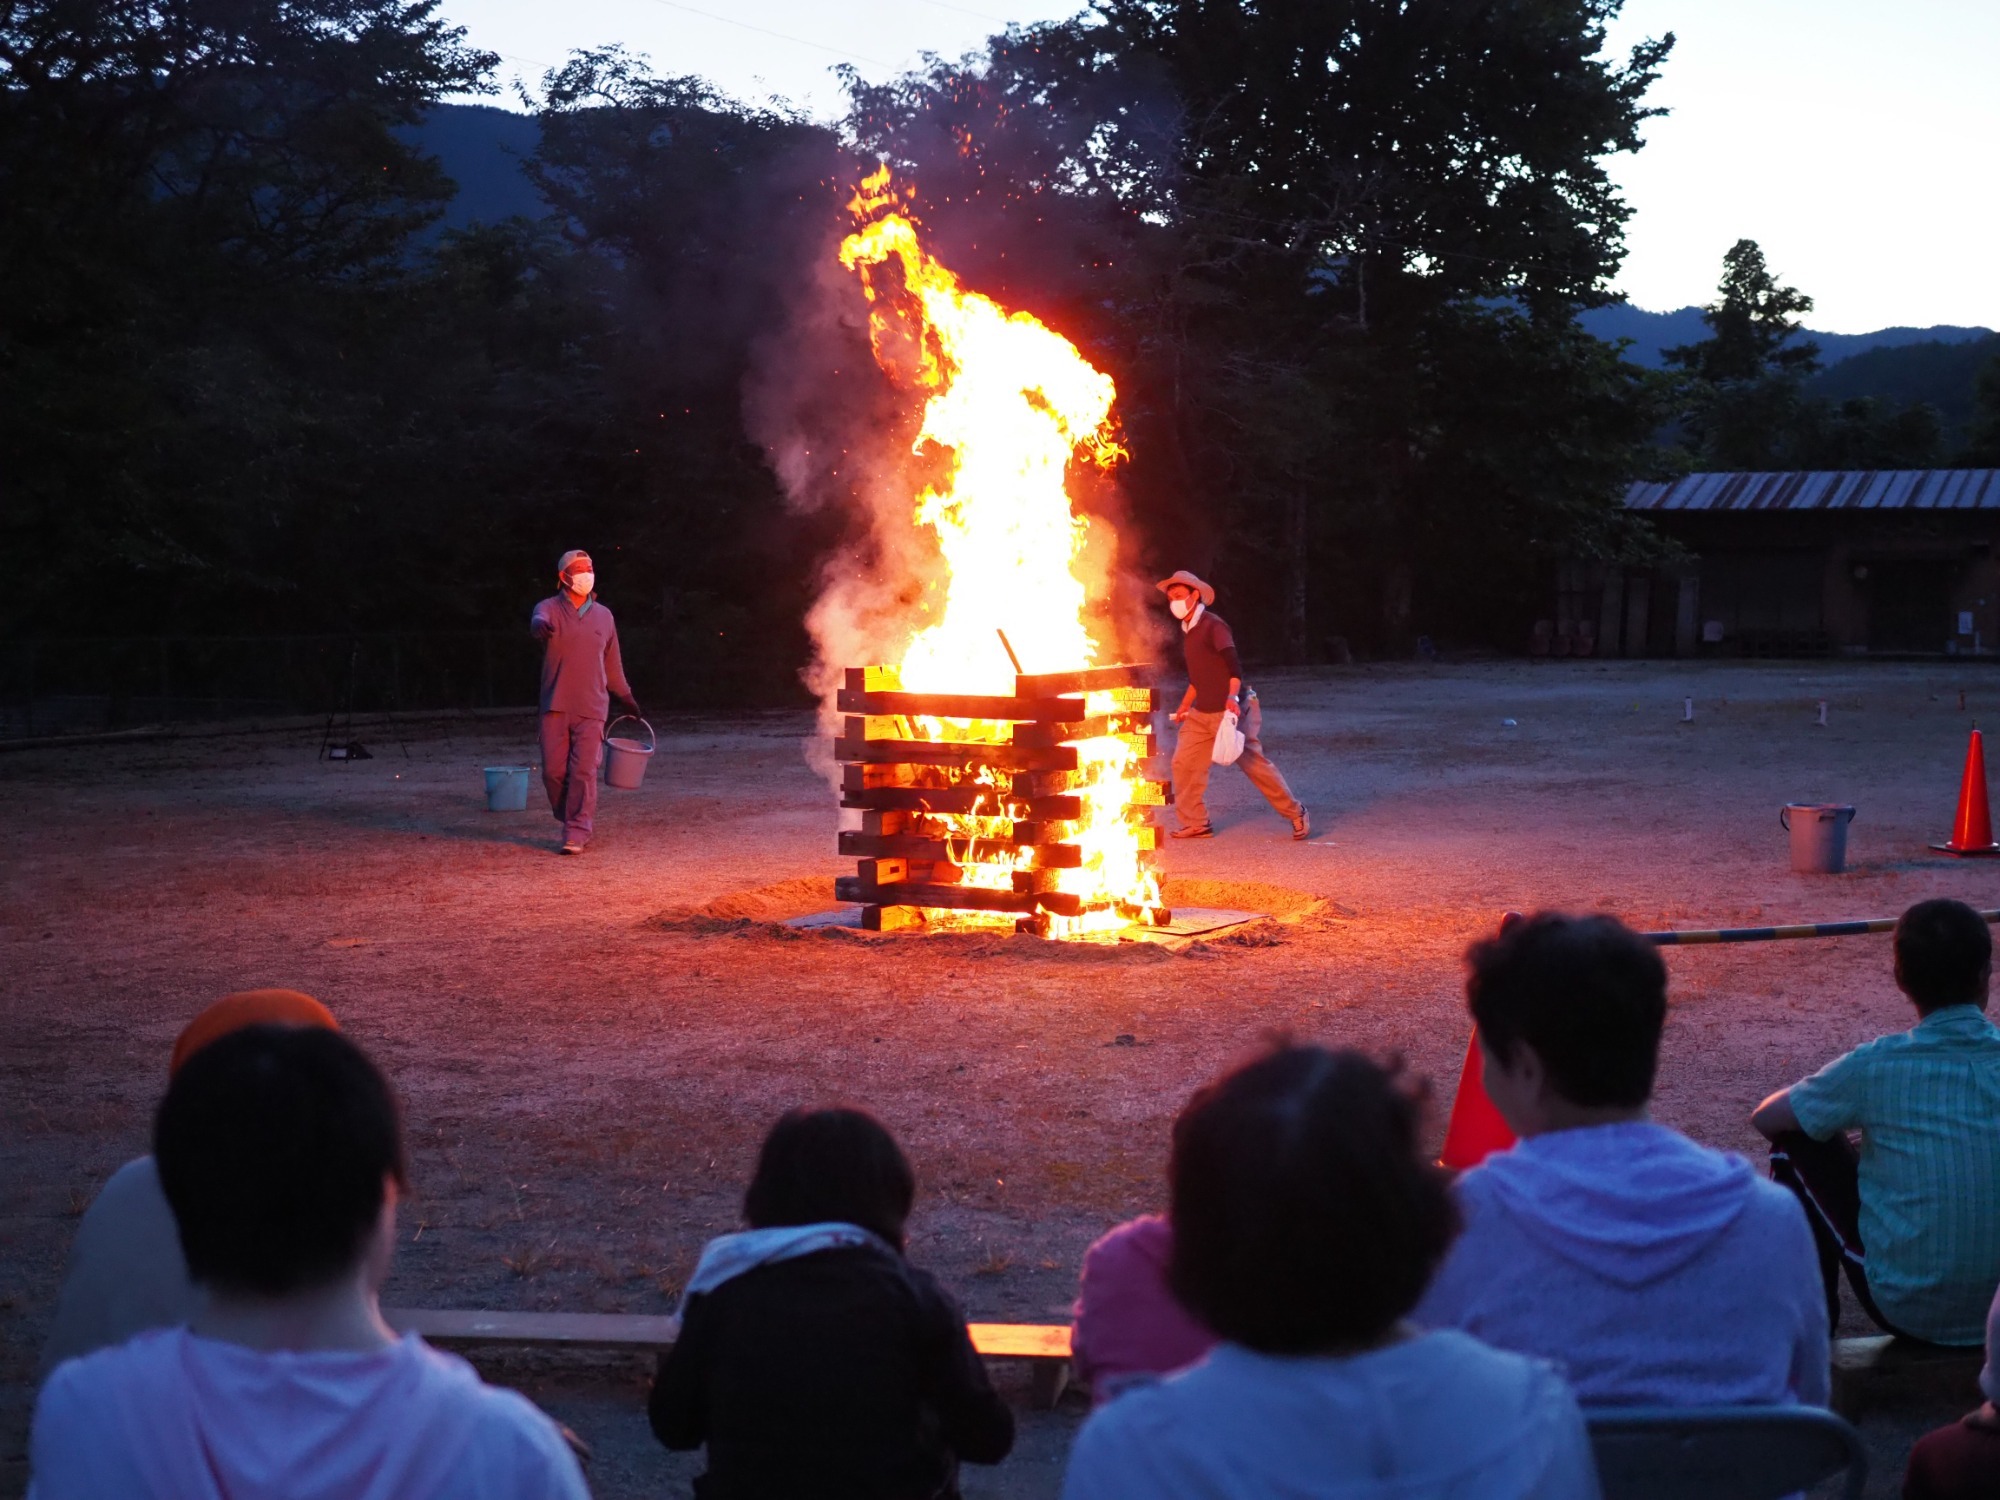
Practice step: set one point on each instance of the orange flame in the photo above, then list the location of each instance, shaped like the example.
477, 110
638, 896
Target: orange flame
1008, 403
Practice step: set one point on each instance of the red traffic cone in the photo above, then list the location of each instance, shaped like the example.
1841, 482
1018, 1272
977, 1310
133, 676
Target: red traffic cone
1972, 829
1476, 1130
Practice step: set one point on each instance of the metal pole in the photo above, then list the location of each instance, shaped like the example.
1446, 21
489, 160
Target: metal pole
1694, 937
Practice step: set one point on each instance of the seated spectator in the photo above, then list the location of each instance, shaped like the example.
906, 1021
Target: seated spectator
126, 1272
813, 1358
1130, 1329
1654, 1271
281, 1153
1962, 1461
1913, 1213
1304, 1229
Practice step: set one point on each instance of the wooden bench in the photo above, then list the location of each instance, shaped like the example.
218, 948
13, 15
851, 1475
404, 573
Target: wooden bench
1044, 1346
1865, 1368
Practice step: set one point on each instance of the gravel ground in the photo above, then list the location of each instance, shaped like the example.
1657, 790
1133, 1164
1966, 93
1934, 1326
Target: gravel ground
590, 1049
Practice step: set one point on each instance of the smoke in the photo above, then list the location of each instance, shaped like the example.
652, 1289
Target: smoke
838, 432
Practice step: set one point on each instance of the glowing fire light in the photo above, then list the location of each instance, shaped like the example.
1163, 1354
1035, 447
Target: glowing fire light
1008, 404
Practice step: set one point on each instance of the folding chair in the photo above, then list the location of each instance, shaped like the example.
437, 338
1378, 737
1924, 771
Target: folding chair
1722, 1452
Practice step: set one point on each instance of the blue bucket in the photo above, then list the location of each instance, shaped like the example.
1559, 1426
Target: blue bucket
507, 788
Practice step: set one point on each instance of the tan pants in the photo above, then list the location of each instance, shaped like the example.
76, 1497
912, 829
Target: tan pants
1191, 766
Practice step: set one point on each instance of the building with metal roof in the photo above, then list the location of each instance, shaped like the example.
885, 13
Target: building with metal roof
1895, 562
1850, 489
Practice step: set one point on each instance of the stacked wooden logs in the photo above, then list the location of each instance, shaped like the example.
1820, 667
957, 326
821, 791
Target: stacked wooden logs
1024, 789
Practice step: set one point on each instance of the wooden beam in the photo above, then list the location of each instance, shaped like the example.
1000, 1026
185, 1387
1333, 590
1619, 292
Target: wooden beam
955, 897
1050, 684
1071, 730
954, 753
959, 706
891, 918
864, 778
873, 679
961, 799
882, 823
1054, 856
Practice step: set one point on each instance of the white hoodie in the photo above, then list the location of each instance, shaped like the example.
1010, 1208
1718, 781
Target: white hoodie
170, 1416
1651, 1269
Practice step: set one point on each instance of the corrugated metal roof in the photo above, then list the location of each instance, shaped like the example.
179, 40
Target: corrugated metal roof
1851, 489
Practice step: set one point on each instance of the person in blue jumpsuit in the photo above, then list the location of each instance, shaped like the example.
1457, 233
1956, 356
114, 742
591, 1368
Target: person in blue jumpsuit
581, 674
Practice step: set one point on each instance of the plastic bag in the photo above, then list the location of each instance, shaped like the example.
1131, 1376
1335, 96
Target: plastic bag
1229, 742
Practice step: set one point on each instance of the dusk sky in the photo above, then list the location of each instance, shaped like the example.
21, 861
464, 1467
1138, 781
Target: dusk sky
1855, 141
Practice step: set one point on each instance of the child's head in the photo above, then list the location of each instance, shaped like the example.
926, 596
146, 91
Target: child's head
1944, 955
1304, 1221
831, 1165
278, 1148
1587, 995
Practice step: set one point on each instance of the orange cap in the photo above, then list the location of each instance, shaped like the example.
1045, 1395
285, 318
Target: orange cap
248, 1008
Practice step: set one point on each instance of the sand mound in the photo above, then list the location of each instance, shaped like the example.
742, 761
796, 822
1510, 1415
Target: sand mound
1240, 895
737, 909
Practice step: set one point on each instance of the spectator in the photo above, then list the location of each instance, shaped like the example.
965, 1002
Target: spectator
1305, 1228
1914, 1213
281, 1153
126, 1271
1653, 1270
1129, 1329
1962, 1461
813, 1358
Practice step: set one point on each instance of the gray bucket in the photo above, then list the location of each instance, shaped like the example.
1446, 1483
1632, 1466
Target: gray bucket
625, 759
1819, 835
507, 788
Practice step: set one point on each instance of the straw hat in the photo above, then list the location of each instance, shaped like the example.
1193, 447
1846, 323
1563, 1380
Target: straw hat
1184, 576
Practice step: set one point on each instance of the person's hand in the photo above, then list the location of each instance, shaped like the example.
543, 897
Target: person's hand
1178, 716
632, 707
1985, 1419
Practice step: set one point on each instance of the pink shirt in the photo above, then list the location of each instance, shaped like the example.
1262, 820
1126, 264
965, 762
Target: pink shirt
1129, 1329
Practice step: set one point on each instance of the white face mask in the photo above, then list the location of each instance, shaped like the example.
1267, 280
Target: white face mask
582, 583
1182, 607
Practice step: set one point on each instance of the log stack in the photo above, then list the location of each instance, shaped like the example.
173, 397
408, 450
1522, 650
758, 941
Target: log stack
919, 791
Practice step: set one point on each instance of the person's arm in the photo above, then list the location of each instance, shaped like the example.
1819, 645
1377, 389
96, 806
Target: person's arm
542, 621
974, 1422
1774, 1116
1187, 702
614, 673
674, 1408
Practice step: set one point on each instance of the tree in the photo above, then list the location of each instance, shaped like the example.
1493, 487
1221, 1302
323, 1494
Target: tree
1983, 436
1308, 241
207, 200
1743, 406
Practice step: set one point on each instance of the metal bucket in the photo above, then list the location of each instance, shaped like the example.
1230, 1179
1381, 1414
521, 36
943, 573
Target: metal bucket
1819, 835
625, 759
507, 788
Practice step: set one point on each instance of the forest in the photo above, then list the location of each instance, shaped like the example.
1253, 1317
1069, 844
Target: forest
1334, 257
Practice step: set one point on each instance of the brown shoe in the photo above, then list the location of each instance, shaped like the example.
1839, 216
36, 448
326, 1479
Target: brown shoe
1197, 831
1302, 824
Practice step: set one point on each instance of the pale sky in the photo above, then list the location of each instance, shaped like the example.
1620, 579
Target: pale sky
1857, 140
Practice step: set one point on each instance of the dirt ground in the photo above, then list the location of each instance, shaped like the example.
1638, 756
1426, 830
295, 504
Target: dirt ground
590, 1049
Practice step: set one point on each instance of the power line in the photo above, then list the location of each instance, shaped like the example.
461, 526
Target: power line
780, 35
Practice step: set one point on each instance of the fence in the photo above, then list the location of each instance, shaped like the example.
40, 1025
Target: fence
90, 685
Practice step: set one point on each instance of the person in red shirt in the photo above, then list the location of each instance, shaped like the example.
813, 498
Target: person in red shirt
581, 673
1215, 693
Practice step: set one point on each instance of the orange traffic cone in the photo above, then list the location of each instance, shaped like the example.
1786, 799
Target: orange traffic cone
1476, 1130
1972, 830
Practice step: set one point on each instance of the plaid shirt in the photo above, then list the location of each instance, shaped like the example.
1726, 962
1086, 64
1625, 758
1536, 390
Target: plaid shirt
1927, 1102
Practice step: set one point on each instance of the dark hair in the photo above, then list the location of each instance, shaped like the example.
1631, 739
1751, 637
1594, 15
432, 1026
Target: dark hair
820, 1165
272, 1145
1587, 993
1304, 1220
1942, 950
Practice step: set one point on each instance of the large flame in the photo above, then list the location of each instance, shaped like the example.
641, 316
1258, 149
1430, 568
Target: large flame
1008, 404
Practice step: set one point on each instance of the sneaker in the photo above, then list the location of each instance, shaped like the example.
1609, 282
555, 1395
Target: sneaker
1198, 831
572, 848
1302, 824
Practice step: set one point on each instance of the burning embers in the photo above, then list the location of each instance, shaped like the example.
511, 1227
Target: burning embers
987, 793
